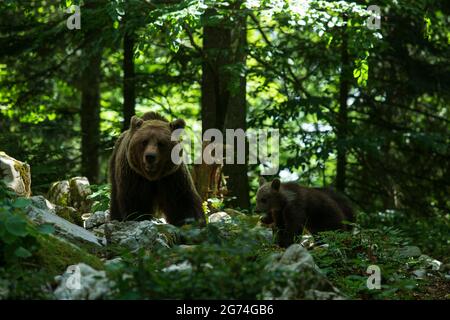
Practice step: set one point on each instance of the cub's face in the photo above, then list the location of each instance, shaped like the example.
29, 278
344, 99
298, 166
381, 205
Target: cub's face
268, 200
150, 147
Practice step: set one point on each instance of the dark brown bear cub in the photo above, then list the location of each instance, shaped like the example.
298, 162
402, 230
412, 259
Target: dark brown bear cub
144, 178
292, 208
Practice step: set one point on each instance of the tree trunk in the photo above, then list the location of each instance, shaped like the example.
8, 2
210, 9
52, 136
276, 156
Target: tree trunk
342, 124
129, 96
90, 118
224, 102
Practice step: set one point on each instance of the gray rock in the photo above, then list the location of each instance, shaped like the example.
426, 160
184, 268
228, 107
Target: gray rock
409, 252
147, 234
428, 262
420, 273
96, 219
304, 279
79, 192
82, 282
15, 174
113, 262
266, 233
295, 258
42, 211
221, 216
73, 193
59, 193
67, 213
184, 266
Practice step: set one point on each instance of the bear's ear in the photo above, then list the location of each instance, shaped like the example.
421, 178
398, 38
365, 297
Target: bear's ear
276, 184
136, 122
261, 181
177, 124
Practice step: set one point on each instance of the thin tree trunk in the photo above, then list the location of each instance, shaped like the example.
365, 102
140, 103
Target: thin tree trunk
90, 118
236, 118
129, 95
214, 100
342, 127
223, 107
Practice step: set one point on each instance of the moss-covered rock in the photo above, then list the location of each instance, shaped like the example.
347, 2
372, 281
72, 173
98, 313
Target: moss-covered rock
41, 211
70, 214
15, 174
59, 193
71, 193
55, 255
135, 235
79, 191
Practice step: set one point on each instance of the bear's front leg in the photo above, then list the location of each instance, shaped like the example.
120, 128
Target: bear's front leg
179, 200
136, 198
183, 207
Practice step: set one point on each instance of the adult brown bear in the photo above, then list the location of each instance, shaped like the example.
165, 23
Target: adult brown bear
292, 208
144, 178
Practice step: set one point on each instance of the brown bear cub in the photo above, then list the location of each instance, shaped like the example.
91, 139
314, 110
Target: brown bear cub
292, 208
144, 178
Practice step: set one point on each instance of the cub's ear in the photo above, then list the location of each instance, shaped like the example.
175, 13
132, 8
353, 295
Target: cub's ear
276, 184
136, 122
177, 124
262, 181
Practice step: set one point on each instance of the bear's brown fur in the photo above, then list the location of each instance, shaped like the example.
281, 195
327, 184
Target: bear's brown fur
291, 208
144, 178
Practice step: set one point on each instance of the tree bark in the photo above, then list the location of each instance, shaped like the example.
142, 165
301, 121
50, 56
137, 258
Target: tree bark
129, 95
90, 118
342, 126
223, 102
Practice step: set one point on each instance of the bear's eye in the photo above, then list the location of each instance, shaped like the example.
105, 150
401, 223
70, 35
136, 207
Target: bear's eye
160, 144
263, 200
144, 142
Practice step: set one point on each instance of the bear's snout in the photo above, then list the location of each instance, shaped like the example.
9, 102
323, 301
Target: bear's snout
150, 157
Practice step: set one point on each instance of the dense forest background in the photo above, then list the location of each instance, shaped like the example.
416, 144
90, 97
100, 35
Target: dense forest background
364, 109
360, 108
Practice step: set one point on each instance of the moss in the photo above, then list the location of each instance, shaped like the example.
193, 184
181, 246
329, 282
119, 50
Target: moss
30, 278
70, 215
55, 255
59, 193
24, 172
78, 194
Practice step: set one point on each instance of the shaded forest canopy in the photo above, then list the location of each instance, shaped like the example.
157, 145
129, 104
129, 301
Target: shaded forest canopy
363, 109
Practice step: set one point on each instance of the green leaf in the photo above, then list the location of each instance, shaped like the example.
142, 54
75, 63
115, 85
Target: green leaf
16, 226
46, 228
21, 252
21, 203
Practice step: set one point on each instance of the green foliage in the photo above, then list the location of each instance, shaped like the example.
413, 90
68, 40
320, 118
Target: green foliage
100, 196
348, 256
430, 233
30, 256
17, 236
223, 261
395, 133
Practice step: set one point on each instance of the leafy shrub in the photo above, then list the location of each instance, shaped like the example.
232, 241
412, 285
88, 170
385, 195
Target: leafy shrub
349, 254
429, 233
101, 195
17, 235
227, 263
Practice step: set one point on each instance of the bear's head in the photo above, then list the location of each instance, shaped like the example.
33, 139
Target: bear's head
150, 147
269, 200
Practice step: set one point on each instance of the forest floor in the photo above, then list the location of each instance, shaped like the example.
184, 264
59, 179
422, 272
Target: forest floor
232, 258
